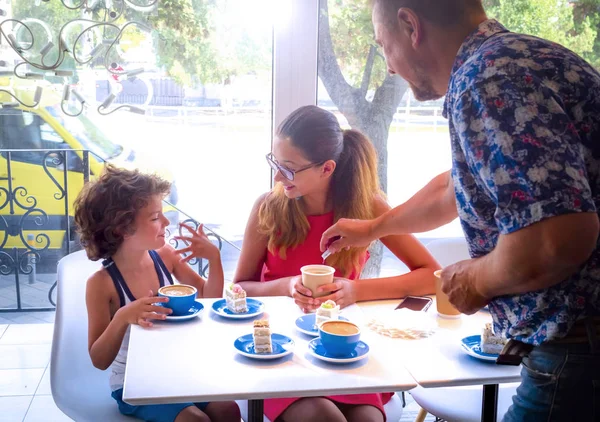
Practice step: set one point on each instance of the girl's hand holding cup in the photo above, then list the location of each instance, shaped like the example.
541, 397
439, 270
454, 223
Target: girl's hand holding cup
143, 311
302, 295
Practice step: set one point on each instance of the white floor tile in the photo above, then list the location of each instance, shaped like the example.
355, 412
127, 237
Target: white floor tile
3, 329
43, 409
13, 409
44, 387
20, 382
24, 356
28, 334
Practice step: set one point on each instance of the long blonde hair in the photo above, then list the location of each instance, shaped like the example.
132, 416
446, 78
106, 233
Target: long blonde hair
354, 184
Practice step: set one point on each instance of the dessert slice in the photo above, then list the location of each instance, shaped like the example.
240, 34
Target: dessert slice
328, 310
235, 298
491, 343
262, 336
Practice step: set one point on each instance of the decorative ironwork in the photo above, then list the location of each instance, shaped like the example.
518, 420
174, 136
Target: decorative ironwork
25, 242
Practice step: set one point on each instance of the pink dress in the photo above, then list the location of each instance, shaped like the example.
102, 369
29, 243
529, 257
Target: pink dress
305, 254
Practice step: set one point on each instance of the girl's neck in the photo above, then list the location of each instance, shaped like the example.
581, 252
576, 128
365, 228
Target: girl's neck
130, 259
317, 203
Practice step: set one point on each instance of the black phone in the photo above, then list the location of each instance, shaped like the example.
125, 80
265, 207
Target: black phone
415, 303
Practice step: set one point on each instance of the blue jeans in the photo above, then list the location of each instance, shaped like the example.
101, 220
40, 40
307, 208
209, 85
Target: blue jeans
559, 382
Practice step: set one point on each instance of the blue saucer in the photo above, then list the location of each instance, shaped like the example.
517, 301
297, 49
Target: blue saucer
193, 312
472, 346
255, 307
282, 346
316, 349
306, 324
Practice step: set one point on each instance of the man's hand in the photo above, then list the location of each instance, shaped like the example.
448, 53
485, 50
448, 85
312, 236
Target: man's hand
351, 233
459, 284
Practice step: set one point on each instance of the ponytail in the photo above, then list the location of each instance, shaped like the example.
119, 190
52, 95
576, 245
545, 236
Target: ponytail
355, 183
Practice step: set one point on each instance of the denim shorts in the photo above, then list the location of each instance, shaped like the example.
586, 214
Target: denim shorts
559, 382
153, 412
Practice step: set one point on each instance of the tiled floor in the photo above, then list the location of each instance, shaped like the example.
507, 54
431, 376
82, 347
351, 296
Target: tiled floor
25, 394
24, 374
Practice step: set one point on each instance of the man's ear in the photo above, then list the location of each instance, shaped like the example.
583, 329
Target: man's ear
410, 25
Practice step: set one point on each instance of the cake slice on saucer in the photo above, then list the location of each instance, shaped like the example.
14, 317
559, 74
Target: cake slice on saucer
490, 342
262, 336
235, 297
328, 310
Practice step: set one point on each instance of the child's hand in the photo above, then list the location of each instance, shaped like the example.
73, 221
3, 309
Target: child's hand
199, 245
143, 310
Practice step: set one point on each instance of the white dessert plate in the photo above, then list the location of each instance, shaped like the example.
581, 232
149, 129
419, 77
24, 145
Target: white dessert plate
282, 346
255, 308
316, 349
472, 346
306, 324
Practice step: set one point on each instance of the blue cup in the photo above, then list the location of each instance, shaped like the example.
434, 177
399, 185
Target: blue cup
181, 298
339, 338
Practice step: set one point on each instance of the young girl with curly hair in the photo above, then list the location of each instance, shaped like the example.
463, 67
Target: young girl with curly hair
120, 220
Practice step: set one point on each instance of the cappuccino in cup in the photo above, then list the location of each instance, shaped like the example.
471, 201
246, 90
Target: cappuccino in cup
314, 276
177, 290
181, 298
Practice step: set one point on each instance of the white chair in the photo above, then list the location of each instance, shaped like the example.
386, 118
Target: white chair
460, 404
80, 391
393, 409
457, 404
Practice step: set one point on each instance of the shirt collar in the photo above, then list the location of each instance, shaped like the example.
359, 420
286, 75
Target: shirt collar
470, 45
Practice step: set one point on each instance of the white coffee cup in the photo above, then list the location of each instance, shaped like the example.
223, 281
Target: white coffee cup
314, 276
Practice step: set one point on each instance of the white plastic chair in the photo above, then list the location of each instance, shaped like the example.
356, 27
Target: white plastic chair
393, 409
80, 391
457, 404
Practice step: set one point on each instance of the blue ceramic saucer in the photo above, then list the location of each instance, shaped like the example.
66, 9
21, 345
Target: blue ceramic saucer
316, 349
193, 312
472, 346
306, 324
282, 346
255, 308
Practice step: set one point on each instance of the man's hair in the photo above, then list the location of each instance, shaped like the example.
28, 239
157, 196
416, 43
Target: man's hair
105, 209
445, 13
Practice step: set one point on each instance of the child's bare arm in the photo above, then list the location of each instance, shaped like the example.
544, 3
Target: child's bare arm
105, 335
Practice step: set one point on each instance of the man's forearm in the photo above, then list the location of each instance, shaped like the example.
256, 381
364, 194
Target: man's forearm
431, 207
536, 257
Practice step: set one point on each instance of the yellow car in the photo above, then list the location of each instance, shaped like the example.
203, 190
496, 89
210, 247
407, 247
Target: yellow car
36, 191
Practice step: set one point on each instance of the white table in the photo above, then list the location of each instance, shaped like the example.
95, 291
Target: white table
439, 361
195, 361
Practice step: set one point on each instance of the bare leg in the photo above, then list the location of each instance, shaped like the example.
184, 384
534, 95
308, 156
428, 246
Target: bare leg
363, 413
223, 411
312, 409
192, 414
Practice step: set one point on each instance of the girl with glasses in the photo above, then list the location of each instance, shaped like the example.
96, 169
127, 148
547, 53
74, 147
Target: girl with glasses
322, 174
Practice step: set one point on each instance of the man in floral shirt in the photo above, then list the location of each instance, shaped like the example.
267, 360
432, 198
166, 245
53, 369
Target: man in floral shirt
524, 118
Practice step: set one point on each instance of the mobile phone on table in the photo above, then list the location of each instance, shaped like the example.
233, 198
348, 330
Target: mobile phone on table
415, 303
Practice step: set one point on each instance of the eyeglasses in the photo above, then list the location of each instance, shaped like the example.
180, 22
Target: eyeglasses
285, 172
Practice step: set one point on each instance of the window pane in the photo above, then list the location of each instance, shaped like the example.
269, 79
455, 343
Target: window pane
203, 75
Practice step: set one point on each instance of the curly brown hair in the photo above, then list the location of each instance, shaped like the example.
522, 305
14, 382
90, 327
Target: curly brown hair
106, 208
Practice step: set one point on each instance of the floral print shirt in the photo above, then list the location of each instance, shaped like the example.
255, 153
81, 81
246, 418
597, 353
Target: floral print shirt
524, 118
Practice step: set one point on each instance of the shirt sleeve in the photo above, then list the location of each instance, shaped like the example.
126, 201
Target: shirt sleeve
523, 149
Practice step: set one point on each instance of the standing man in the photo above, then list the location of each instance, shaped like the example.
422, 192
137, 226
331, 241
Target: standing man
524, 118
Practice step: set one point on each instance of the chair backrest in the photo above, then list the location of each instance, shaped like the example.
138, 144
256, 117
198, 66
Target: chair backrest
80, 390
449, 251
